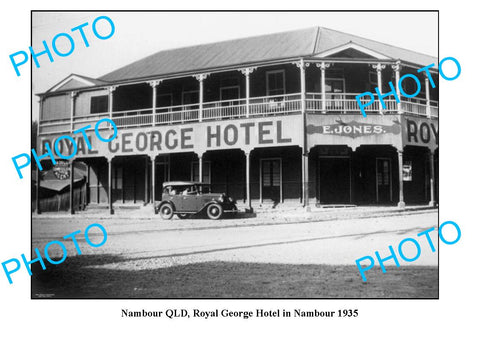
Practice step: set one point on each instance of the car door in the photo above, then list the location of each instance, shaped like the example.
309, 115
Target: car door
189, 199
177, 199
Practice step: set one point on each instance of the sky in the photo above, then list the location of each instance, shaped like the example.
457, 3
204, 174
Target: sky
139, 34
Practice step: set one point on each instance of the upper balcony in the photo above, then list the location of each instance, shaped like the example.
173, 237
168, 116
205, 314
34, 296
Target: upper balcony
260, 92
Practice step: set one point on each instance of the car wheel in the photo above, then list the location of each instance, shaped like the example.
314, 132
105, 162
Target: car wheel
214, 211
183, 216
166, 211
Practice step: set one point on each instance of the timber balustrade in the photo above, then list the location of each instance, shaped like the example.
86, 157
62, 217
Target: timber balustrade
334, 103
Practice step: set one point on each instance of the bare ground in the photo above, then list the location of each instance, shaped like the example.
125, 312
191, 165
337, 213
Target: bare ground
142, 259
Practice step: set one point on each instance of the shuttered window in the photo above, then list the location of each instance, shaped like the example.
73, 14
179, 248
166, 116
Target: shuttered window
271, 173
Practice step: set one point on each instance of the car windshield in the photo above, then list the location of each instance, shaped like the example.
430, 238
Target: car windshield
180, 190
190, 189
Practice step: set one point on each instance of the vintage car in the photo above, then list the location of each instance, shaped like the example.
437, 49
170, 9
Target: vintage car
185, 199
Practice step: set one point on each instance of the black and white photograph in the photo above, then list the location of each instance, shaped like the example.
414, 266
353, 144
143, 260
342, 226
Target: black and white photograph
248, 170
239, 168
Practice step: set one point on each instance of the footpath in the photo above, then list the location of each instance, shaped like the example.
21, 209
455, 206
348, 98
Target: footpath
265, 217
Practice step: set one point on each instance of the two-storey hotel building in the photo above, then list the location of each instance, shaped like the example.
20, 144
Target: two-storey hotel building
270, 118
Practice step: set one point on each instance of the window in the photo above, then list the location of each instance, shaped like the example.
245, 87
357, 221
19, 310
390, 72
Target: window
99, 104
229, 96
164, 99
190, 97
334, 85
229, 92
275, 82
271, 173
410, 86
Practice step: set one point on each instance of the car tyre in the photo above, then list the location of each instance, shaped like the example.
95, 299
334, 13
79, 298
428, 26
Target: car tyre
214, 211
166, 211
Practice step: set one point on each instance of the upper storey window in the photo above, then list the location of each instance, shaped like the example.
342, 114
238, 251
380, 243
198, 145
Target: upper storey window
190, 97
275, 82
99, 104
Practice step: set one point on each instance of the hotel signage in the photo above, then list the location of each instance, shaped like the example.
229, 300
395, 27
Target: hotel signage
195, 137
354, 129
420, 132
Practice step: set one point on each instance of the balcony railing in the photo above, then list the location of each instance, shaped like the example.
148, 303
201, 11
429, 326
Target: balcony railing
224, 109
346, 103
419, 107
335, 103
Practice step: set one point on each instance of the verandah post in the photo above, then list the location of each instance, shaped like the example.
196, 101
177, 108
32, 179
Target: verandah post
110, 198
401, 202
72, 174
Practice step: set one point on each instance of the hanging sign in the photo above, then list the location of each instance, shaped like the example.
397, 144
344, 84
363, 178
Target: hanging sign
407, 171
61, 170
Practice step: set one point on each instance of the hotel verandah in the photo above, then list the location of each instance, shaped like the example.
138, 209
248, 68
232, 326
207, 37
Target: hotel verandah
264, 119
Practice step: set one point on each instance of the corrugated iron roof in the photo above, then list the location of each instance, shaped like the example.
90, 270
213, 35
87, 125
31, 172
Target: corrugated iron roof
278, 46
328, 39
225, 53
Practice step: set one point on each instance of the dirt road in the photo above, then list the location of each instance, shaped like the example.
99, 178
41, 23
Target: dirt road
145, 244
200, 258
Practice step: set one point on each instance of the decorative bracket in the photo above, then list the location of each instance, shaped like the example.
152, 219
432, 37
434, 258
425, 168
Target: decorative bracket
323, 65
301, 64
396, 67
247, 71
202, 76
154, 83
379, 67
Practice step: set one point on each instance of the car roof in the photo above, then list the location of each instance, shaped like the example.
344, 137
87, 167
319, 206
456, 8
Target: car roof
173, 183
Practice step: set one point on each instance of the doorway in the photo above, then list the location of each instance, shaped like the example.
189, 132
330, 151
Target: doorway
334, 180
271, 179
384, 180
335, 94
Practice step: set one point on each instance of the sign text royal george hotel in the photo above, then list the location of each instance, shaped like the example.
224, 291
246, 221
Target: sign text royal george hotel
198, 137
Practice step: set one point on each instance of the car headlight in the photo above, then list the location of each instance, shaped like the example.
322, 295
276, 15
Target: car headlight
222, 199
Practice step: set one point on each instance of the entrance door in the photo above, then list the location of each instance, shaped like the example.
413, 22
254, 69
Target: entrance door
229, 96
271, 172
384, 180
335, 89
333, 180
